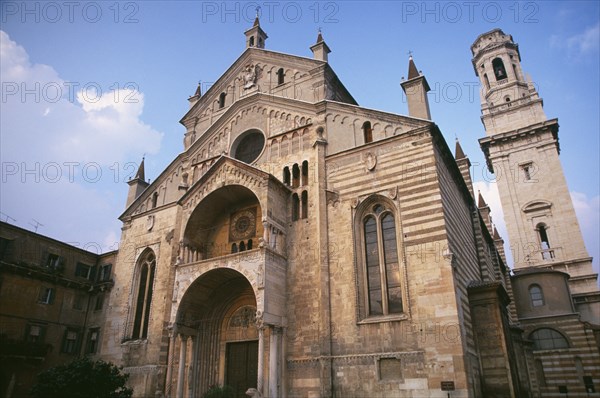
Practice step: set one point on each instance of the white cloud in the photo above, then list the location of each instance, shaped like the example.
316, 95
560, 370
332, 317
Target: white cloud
579, 44
63, 148
81, 121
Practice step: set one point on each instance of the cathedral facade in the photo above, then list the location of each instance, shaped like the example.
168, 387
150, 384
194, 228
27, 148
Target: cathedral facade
304, 246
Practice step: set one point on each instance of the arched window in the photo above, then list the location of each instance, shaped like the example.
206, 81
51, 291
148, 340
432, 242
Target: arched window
367, 132
382, 269
304, 200
242, 246
280, 76
486, 80
251, 42
305, 172
295, 207
548, 339
154, 199
499, 70
536, 295
543, 234
234, 248
222, 100
295, 176
286, 175
147, 268
249, 246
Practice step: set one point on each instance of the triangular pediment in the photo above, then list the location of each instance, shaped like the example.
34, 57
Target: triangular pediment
257, 70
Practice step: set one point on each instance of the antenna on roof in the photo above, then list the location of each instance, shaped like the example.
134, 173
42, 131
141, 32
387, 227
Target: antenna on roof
36, 224
7, 217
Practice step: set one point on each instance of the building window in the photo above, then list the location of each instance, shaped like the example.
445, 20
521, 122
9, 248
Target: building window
499, 70
147, 268
249, 245
536, 295
304, 200
527, 171
242, 246
84, 271
548, 339
280, 76
547, 253
222, 100
251, 42
46, 295
35, 333
305, 172
588, 382
367, 132
105, 273
486, 81
382, 269
54, 261
295, 207
154, 200
234, 248
93, 339
286, 175
70, 341
295, 176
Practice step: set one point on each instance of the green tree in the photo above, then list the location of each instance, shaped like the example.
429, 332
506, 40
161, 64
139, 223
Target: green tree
82, 378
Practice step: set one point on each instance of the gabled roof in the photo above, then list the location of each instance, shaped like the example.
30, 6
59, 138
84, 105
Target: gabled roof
251, 54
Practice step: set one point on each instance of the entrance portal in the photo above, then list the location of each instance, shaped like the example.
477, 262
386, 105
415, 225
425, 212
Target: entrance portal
241, 366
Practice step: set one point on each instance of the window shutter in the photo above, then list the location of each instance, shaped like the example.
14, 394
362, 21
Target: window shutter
51, 295
93, 273
44, 258
61, 264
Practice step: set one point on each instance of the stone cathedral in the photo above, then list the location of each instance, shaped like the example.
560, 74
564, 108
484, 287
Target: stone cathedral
304, 246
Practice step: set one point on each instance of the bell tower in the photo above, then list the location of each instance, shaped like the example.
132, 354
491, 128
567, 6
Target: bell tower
522, 150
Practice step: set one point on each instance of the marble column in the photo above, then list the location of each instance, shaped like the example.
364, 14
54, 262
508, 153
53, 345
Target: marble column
172, 342
274, 364
181, 372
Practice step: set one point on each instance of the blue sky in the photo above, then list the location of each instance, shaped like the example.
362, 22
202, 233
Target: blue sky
89, 87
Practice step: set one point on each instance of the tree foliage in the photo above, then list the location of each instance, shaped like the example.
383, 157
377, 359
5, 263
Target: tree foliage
82, 378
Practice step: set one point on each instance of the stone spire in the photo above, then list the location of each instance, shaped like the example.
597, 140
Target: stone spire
320, 48
194, 98
416, 88
137, 184
464, 165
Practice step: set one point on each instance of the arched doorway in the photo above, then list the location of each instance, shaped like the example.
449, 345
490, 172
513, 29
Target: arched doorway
215, 339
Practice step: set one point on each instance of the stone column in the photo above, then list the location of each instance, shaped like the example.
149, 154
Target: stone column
172, 342
261, 354
274, 368
181, 373
266, 229
189, 368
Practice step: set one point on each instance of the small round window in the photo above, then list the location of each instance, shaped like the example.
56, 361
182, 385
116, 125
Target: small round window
248, 146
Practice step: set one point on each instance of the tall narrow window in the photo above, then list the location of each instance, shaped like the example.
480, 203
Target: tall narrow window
286, 175
234, 248
367, 132
249, 246
222, 100
526, 172
499, 70
154, 200
70, 342
305, 172
304, 200
242, 246
92, 343
536, 296
295, 176
144, 295
280, 76
251, 42
382, 268
486, 80
295, 207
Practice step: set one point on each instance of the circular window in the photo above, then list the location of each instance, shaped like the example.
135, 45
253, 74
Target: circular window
248, 146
